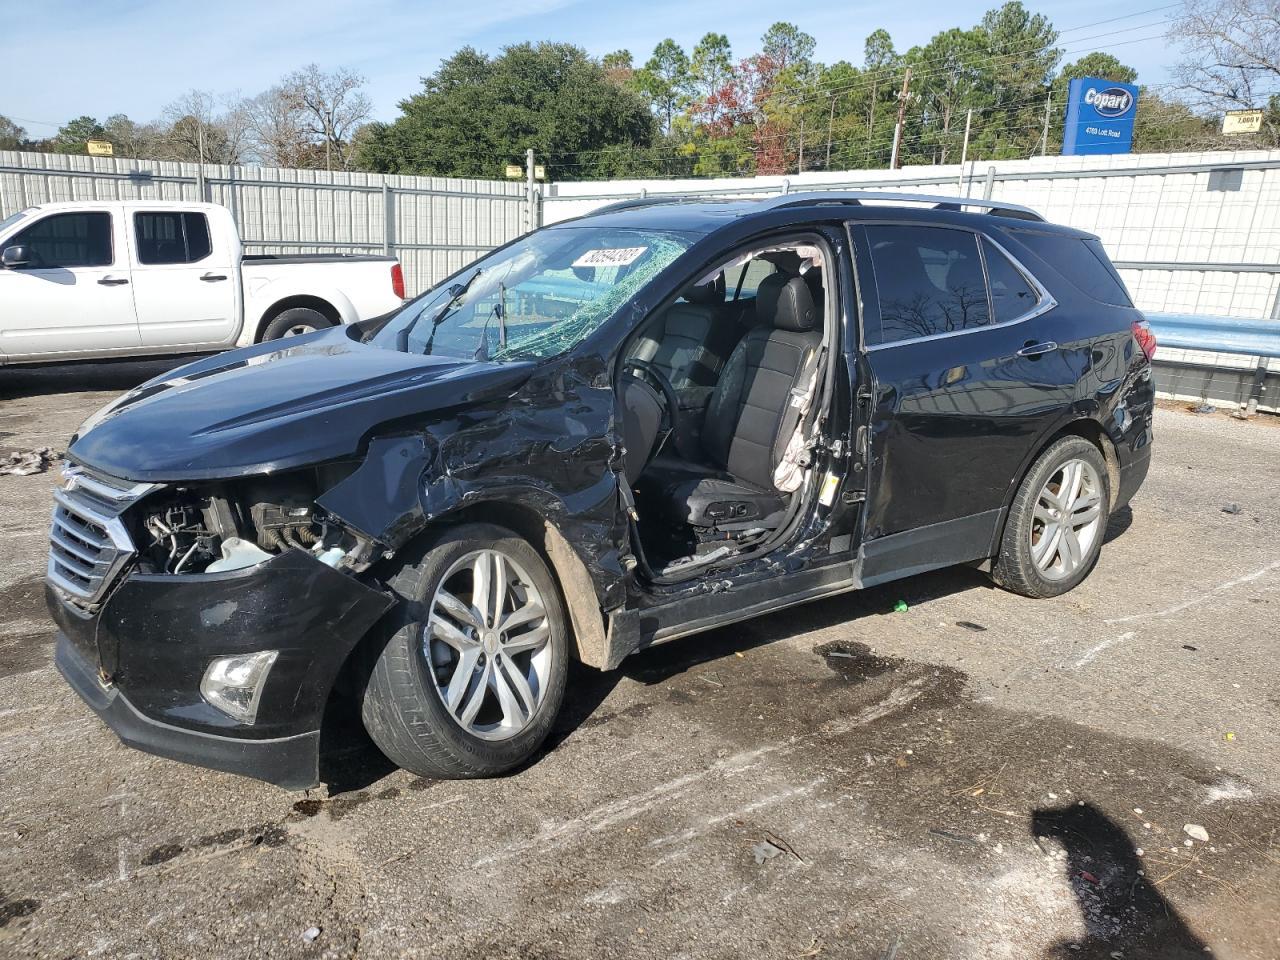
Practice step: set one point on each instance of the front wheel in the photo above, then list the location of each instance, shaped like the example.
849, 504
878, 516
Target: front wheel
1054, 533
472, 673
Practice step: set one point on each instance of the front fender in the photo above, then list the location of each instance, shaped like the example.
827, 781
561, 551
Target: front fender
548, 452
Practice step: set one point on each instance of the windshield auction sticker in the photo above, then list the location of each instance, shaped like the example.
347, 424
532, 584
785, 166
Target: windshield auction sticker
613, 257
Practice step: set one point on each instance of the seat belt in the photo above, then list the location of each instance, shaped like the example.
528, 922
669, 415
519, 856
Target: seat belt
789, 473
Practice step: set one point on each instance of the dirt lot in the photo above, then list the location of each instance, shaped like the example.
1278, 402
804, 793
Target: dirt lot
981, 776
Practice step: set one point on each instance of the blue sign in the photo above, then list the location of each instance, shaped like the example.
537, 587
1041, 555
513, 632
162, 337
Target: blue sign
1100, 117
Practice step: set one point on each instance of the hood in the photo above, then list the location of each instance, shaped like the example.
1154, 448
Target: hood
270, 407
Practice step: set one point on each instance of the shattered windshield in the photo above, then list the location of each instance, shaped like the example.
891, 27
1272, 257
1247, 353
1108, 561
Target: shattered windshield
537, 298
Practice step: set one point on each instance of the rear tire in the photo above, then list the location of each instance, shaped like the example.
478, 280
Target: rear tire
452, 693
294, 322
1053, 536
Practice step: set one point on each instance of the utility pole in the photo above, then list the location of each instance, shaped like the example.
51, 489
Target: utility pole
964, 151
902, 109
200, 185
871, 120
830, 121
530, 200
1044, 137
800, 162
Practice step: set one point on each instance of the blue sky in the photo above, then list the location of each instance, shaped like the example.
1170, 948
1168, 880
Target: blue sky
99, 57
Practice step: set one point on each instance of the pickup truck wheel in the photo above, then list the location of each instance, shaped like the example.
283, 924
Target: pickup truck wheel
473, 669
1053, 536
294, 322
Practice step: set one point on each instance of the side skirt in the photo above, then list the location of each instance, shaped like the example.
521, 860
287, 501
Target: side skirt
930, 548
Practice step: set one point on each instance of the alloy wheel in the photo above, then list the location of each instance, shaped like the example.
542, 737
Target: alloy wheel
487, 645
1067, 519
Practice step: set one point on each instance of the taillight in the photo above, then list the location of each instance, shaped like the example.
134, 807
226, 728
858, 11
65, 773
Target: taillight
397, 281
1146, 339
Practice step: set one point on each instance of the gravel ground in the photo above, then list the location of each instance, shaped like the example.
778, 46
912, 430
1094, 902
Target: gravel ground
982, 776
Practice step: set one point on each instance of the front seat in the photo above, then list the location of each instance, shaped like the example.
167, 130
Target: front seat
742, 436
692, 340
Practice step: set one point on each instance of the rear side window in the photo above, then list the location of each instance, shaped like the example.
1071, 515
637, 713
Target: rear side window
748, 277
1012, 295
69, 240
1083, 262
172, 237
929, 279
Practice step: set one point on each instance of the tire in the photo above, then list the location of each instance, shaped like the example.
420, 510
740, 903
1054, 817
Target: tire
1031, 561
294, 322
408, 676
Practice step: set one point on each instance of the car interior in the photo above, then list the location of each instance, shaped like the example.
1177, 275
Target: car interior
718, 394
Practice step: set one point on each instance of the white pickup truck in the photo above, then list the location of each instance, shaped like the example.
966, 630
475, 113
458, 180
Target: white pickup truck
91, 280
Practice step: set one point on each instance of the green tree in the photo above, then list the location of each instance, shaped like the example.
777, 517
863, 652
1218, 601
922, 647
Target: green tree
878, 52
72, 137
786, 45
475, 114
666, 81
12, 136
619, 67
710, 70
1021, 60
953, 77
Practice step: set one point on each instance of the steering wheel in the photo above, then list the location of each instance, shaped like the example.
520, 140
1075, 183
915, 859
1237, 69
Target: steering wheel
656, 378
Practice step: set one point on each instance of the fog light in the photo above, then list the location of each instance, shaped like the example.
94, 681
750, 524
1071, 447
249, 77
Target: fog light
234, 684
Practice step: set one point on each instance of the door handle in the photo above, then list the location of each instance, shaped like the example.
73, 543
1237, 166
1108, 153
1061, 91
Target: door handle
212, 277
112, 281
1032, 349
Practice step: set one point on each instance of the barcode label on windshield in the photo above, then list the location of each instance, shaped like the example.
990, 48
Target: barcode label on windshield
612, 257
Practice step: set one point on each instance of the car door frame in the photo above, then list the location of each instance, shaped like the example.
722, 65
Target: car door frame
121, 265
228, 286
920, 547
820, 558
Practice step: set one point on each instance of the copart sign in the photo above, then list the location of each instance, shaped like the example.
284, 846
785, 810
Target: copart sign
1100, 115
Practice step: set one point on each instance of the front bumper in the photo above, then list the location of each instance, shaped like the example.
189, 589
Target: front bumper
291, 762
138, 660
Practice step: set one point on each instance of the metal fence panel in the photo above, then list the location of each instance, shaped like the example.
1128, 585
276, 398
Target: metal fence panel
436, 224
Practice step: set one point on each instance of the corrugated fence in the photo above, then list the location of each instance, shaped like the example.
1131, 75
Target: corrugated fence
435, 225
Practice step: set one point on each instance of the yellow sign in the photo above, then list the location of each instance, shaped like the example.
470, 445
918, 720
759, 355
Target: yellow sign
99, 148
539, 172
1242, 121
514, 171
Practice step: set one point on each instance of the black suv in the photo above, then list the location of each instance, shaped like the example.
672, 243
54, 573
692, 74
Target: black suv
660, 418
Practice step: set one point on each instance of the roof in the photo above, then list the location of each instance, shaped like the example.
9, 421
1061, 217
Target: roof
684, 212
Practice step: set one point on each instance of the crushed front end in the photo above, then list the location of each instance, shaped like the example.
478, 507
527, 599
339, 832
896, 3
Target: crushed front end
208, 622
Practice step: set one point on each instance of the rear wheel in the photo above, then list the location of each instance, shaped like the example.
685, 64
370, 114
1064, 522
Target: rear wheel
294, 322
473, 670
1053, 536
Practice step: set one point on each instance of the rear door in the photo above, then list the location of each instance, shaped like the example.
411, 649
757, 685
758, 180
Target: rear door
75, 297
184, 281
965, 376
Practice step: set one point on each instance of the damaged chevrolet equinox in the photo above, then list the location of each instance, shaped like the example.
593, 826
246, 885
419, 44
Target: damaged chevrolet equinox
613, 432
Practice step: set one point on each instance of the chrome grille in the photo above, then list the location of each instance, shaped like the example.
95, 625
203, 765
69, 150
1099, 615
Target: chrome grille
88, 542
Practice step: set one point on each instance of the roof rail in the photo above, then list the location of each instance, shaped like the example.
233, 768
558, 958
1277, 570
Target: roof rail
635, 202
819, 197
996, 208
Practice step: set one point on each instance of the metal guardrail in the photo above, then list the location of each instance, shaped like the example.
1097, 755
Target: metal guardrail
1258, 339
1189, 331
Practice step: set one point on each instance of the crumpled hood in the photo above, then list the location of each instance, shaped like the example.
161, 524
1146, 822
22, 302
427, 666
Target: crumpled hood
272, 407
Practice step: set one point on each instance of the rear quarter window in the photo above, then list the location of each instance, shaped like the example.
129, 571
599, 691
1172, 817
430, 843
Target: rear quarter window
1083, 262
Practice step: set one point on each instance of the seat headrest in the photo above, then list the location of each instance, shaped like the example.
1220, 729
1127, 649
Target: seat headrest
712, 292
785, 303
